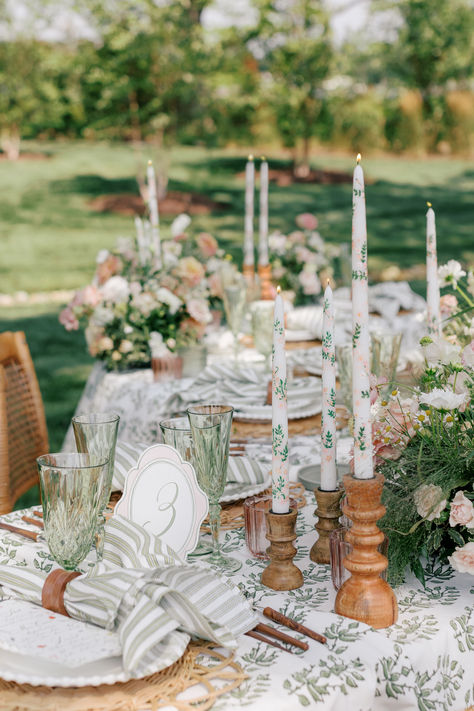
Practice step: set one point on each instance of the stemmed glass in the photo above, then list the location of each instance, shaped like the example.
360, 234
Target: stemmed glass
262, 328
96, 434
210, 427
71, 487
234, 295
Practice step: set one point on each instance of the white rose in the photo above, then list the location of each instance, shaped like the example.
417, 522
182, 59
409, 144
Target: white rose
157, 346
450, 273
441, 351
116, 290
462, 559
167, 297
180, 224
429, 501
199, 310
126, 346
102, 316
277, 243
442, 399
144, 303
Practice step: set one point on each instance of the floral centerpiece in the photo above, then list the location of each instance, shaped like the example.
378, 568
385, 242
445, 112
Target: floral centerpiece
457, 303
131, 298
301, 260
424, 446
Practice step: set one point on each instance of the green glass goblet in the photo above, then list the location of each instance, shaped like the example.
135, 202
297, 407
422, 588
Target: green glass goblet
96, 433
234, 296
71, 493
210, 427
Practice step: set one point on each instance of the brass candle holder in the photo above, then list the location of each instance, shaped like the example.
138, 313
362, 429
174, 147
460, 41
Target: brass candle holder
266, 287
281, 573
365, 596
328, 511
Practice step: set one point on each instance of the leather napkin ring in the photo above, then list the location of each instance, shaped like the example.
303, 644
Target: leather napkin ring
52, 595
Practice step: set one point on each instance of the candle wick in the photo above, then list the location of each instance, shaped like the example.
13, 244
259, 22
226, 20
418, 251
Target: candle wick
328, 282
278, 289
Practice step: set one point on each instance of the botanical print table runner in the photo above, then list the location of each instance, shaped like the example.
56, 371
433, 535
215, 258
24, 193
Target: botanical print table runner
424, 662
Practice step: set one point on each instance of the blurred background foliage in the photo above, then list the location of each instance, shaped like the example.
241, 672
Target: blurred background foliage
151, 71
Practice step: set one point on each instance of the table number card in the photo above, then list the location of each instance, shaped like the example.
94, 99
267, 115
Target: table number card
162, 495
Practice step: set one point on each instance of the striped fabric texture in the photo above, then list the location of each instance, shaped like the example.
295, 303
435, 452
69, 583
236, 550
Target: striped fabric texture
241, 470
148, 595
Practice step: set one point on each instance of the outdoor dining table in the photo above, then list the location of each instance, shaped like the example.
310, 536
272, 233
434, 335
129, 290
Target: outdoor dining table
425, 661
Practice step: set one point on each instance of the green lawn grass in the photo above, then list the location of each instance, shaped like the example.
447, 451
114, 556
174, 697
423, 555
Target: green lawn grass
49, 235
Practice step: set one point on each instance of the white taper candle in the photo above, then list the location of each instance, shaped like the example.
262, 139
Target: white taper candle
363, 465
328, 416
249, 257
153, 209
280, 478
432, 283
263, 215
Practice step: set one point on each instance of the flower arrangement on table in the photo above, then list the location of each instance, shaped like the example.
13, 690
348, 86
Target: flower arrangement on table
457, 309
132, 301
424, 446
301, 260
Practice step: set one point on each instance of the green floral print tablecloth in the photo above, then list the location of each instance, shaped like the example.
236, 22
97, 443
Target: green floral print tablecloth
425, 661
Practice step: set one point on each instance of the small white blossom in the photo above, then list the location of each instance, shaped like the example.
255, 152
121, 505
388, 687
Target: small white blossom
441, 351
116, 290
102, 256
180, 224
450, 273
157, 346
429, 501
442, 399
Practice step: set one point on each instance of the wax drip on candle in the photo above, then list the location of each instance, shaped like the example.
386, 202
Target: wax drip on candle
359, 158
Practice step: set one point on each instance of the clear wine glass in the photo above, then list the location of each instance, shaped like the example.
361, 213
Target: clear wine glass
211, 426
234, 295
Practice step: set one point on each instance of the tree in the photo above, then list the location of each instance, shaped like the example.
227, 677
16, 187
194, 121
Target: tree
293, 39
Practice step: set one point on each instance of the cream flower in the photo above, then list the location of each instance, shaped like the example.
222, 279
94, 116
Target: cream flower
450, 273
467, 356
190, 271
116, 290
439, 350
199, 310
157, 346
309, 281
442, 399
429, 501
462, 559
277, 243
167, 297
462, 511
126, 346
105, 344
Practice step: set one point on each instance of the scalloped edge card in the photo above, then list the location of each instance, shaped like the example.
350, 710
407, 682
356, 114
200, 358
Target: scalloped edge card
162, 494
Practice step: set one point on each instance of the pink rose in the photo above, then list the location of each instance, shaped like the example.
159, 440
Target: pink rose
207, 244
215, 285
297, 237
310, 282
307, 221
190, 271
462, 511
199, 310
462, 559
91, 296
68, 320
448, 305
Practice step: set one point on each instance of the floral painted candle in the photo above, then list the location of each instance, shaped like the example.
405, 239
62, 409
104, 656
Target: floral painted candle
153, 209
280, 480
363, 467
249, 257
432, 283
328, 416
263, 215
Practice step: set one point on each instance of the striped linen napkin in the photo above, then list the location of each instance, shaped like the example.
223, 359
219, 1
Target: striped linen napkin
143, 591
241, 470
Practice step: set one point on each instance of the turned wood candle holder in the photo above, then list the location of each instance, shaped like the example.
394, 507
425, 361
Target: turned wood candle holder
328, 511
266, 288
365, 596
281, 573
248, 270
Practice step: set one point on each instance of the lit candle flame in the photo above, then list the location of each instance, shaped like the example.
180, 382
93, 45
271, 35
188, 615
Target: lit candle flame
429, 204
278, 289
359, 157
250, 157
263, 158
328, 282
150, 162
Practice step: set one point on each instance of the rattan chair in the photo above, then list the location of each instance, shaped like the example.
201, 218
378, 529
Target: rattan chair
23, 432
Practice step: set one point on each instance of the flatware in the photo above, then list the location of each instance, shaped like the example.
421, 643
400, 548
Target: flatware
292, 624
272, 632
262, 638
33, 521
20, 531
38, 513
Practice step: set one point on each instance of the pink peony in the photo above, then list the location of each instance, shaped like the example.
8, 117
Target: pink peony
448, 305
297, 237
199, 310
207, 244
215, 285
91, 296
108, 268
190, 271
462, 559
462, 511
68, 319
307, 221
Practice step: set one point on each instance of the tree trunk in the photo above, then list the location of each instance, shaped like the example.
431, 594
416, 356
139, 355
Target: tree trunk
10, 142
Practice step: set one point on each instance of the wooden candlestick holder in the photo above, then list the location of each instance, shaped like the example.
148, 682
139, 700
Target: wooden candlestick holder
248, 270
281, 573
328, 511
365, 596
266, 287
